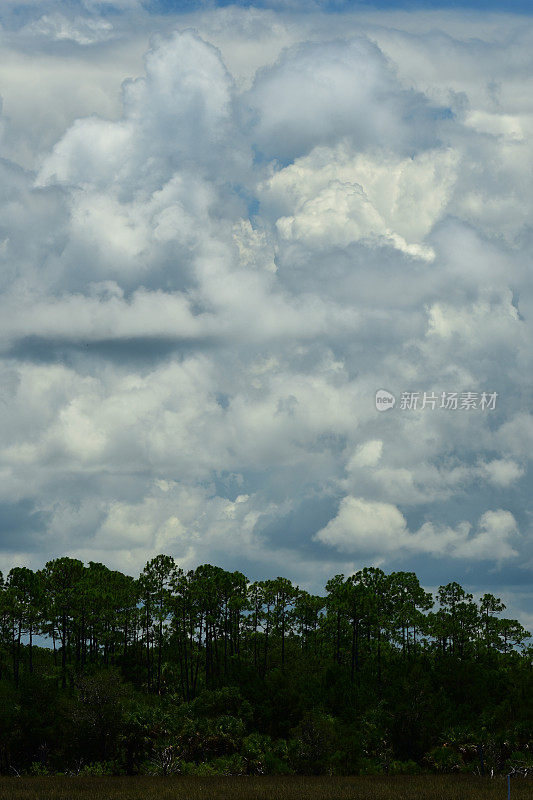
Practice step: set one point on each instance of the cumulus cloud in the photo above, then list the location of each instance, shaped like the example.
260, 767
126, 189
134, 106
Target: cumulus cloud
502, 472
318, 93
178, 116
378, 529
214, 255
336, 196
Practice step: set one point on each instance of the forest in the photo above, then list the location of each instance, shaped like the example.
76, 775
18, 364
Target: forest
203, 672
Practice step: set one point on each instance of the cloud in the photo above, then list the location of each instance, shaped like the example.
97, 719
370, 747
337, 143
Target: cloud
366, 455
336, 196
178, 116
502, 472
318, 93
207, 272
82, 30
369, 528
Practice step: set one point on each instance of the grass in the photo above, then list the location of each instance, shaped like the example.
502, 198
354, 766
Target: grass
420, 787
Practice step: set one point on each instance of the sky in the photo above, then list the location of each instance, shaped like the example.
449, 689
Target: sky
224, 230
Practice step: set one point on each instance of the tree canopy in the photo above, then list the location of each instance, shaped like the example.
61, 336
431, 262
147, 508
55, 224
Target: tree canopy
204, 671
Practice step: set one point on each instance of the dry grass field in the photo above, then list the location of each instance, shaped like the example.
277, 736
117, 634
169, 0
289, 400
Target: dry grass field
426, 787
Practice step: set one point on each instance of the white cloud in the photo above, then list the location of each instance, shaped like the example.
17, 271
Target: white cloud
476, 323
178, 116
336, 196
361, 525
369, 528
82, 30
502, 472
207, 275
318, 93
366, 455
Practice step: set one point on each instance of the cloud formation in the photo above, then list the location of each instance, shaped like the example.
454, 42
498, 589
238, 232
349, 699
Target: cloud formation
380, 528
214, 256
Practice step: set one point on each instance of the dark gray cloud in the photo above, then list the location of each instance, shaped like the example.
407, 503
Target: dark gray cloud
22, 526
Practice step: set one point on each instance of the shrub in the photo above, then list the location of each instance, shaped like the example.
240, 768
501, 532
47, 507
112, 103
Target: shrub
97, 768
444, 759
314, 743
38, 768
404, 768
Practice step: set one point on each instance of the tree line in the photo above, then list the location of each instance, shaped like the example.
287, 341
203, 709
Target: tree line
281, 662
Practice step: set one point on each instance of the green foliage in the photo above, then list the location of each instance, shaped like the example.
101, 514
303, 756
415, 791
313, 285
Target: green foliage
404, 768
224, 701
98, 713
204, 673
263, 756
445, 759
37, 768
315, 740
98, 768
